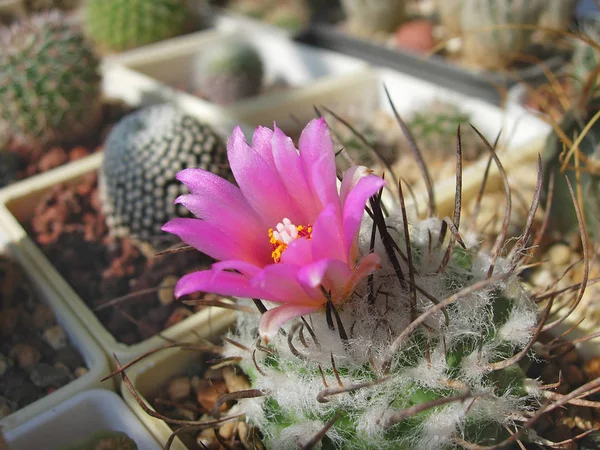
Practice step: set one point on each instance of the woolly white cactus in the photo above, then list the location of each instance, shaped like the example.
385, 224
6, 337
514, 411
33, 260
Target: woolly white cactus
460, 355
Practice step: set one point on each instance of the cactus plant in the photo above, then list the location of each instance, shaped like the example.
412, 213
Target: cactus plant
45, 5
486, 42
230, 71
586, 58
448, 15
142, 155
49, 82
588, 180
557, 15
435, 125
461, 353
117, 25
367, 17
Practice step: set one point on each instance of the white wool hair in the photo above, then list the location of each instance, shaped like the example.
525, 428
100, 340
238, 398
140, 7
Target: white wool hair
440, 427
297, 436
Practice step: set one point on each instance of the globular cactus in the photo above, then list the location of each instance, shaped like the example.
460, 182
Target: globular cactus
117, 25
436, 124
142, 155
492, 38
105, 440
45, 5
367, 17
392, 368
230, 71
562, 213
49, 82
557, 15
586, 58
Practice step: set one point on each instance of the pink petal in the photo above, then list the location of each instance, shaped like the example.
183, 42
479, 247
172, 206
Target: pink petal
351, 177
261, 144
354, 207
318, 160
368, 264
217, 243
273, 319
327, 236
280, 282
243, 267
331, 274
261, 186
220, 282
292, 173
299, 252
217, 200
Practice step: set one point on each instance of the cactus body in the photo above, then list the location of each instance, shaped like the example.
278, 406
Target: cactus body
142, 156
488, 45
367, 17
229, 72
49, 82
586, 58
449, 15
459, 350
435, 125
117, 25
45, 5
562, 209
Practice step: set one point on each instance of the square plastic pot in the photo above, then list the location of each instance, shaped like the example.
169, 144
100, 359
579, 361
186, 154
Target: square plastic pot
159, 68
95, 359
17, 203
152, 372
77, 418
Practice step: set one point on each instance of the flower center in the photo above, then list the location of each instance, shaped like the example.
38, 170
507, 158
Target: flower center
284, 234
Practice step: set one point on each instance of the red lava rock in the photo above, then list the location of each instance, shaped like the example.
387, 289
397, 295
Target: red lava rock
207, 396
415, 36
52, 158
78, 153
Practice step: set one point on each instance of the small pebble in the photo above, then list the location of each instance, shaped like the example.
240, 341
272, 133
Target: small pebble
45, 376
560, 254
234, 381
9, 319
592, 368
56, 337
574, 376
26, 356
5, 363
166, 289
542, 278
80, 371
70, 357
208, 396
43, 316
7, 407
207, 440
227, 429
178, 388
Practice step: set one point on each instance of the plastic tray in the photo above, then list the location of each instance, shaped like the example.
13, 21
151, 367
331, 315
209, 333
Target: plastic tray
77, 418
17, 204
93, 355
483, 84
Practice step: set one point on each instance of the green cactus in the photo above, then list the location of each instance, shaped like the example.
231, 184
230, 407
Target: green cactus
117, 25
586, 58
230, 71
367, 17
435, 125
562, 211
462, 352
45, 5
142, 155
485, 42
49, 82
105, 440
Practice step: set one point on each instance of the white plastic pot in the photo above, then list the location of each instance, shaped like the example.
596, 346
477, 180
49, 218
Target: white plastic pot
158, 68
17, 203
94, 357
77, 418
150, 374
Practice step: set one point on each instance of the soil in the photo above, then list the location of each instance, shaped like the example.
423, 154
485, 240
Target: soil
27, 161
70, 229
36, 357
192, 396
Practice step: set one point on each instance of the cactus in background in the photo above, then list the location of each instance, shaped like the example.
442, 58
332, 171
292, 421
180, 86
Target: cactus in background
45, 5
230, 71
459, 360
586, 58
142, 156
117, 25
292, 15
49, 82
435, 125
485, 43
557, 15
367, 17
449, 16
564, 218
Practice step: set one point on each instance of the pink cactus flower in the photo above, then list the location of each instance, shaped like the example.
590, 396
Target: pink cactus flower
285, 235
